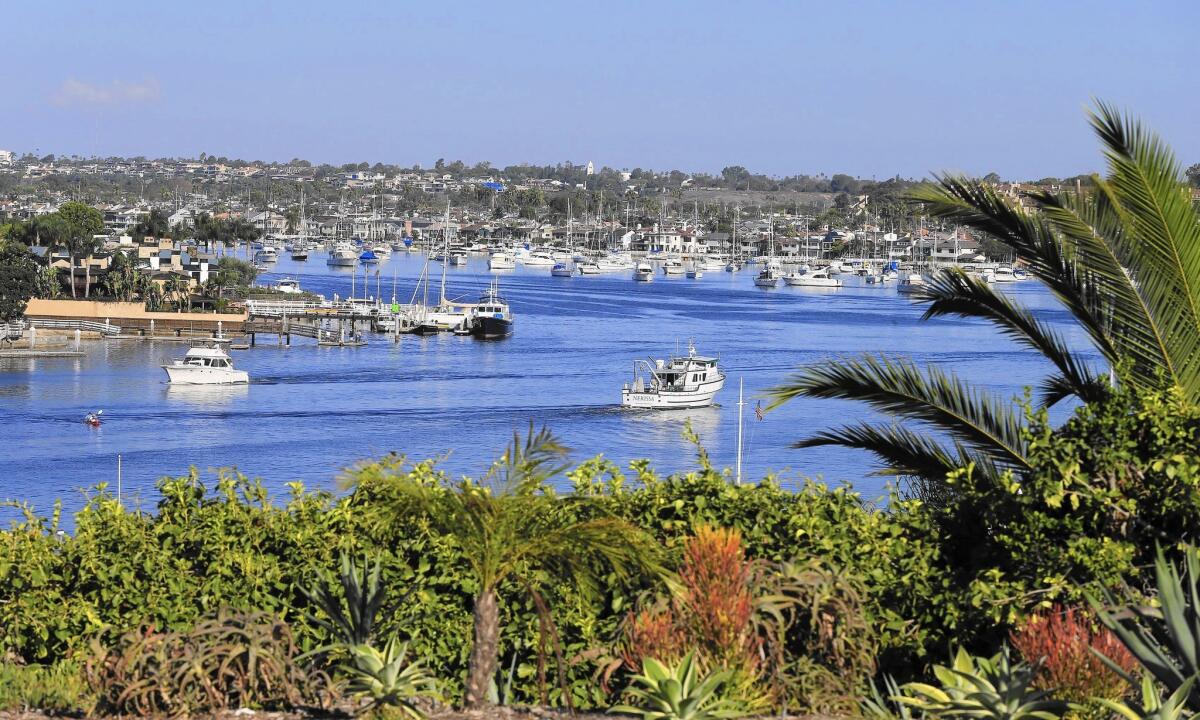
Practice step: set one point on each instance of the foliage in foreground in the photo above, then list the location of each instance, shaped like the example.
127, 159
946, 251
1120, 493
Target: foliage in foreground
233, 660
680, 692
993, 688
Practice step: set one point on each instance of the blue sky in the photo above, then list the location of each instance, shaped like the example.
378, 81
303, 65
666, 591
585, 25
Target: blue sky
868, 88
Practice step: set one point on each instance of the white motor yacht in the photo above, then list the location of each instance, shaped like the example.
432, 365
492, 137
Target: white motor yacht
1004, 274
343, 255
539, 258
911, 284
562, 269
588, 267
816, 278
768, 278
681, 382
672, 267
501, 260
644, 272
205, 365
267, 255
291, 286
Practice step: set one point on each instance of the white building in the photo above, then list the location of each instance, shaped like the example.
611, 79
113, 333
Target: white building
6, 157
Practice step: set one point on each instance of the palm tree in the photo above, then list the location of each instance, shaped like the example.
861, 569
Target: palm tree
1123, 257
510, 528
172, 287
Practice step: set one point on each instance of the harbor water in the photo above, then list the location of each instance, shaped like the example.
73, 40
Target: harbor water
310, 412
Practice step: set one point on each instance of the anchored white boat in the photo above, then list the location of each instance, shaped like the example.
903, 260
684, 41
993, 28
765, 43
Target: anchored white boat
501, 261
343, 255
644, 272
539, 258
291, 286
816, 278
911, 284
205, 365
768, 277
681, 382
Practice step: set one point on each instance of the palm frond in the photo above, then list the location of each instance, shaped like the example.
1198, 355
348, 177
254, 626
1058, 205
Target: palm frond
1032, 238
953, 292
978, 421
1095, 228
1161, 250
901, 451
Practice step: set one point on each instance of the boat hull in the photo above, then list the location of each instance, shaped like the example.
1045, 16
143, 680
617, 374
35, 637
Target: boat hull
672, 399
491, 328
192, 375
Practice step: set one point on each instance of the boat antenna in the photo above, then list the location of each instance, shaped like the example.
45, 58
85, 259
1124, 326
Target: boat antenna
741, 405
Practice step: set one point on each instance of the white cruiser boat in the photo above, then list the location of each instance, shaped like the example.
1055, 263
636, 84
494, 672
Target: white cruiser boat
267, 255
816, 278
588, 267
681, 382
501, 261
644, 272
768, 278
672, 267
205, 365
1005, 274
342, 255
911, 284
561, 269
539, 258
291, 286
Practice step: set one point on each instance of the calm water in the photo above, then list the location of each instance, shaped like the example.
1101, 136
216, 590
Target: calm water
309, 412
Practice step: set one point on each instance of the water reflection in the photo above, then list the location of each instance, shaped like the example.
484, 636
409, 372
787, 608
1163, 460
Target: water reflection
207, 395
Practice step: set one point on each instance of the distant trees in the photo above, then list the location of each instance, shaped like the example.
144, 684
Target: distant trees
18, 280
82, 223
155, 225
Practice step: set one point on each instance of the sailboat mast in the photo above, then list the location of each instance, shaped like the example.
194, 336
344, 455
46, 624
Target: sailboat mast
445, 253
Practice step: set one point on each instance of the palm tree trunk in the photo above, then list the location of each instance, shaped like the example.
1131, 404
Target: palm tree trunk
484, 650
87, 277
72, 256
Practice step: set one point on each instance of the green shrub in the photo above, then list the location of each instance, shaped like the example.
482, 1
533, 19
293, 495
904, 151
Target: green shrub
57, 688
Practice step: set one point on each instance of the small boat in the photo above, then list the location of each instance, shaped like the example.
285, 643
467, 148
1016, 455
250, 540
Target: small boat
768, 277
343, 255
492, 318
458, 258
911, 284
205, 365
368, 257
644, 272
1005, 274
501, 261
680, 382
92, 419
732, 266
672, 267
694, 273
291, 286
539, 258
816, 278
587, 267
561, 269
299, 252
266, 256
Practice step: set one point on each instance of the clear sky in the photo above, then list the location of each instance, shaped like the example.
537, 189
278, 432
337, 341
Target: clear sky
868, 88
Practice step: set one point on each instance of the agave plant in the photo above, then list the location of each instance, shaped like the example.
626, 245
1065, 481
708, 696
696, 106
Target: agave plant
678, 692
1153, 707
350, 614
882, 705
1166, 640
1122, 257
388, 678
984, 689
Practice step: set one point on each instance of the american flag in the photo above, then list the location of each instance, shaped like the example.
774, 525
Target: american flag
758, 410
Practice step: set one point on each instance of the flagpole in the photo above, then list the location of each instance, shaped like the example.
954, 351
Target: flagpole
741, 404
